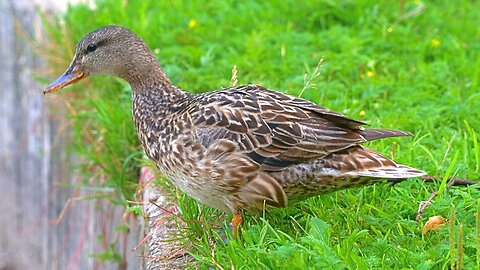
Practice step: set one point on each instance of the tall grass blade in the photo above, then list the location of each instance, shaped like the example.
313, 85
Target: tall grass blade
460, 247
448, 173
451, 234
478, 233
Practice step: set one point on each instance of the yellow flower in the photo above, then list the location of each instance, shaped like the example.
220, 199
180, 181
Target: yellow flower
370, 74
435, 43
362, 113
390, 29
192, 23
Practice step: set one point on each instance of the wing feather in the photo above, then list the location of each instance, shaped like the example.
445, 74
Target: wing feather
276, 130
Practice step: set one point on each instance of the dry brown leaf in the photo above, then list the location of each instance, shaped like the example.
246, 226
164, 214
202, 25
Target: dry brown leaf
433, 224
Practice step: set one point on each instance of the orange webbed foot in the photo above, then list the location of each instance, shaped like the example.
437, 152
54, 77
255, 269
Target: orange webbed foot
236, 221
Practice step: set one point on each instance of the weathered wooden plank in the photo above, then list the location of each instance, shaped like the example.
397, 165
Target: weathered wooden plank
20, 209
163, 249
35, 179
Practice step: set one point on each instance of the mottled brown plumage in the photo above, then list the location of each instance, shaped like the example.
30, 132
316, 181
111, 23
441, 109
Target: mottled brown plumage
237, 148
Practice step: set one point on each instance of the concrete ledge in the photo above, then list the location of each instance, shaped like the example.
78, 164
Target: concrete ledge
162, 248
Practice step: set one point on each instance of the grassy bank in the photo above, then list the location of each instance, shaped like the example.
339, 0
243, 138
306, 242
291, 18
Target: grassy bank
406, 65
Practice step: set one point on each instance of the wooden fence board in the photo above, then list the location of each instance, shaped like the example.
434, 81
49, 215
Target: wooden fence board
35, 183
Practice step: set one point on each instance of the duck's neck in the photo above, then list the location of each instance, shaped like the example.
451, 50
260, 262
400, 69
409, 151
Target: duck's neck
155, 101
155, 98
149, 83
146, 78
158, 98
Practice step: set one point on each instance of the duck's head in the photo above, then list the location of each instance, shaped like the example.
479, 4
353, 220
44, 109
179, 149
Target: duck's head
110, 50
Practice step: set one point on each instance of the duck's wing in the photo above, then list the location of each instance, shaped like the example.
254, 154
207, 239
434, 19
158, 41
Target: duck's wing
276, 130
250, 131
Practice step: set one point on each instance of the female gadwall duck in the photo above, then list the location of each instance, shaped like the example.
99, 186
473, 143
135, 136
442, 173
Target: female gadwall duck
237, 148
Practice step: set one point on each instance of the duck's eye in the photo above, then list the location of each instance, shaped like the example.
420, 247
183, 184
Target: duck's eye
91, 47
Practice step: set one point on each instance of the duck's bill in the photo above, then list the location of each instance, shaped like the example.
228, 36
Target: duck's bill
69, 77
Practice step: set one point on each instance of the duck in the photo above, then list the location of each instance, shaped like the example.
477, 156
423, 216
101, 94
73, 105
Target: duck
238, 149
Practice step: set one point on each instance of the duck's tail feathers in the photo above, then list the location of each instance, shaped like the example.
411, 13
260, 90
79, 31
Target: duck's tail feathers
375, 134
360, 162
391, 172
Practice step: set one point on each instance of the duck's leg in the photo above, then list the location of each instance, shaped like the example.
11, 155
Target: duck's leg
236, 221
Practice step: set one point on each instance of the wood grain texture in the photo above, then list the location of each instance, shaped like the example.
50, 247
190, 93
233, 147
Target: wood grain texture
162, 251
35, 176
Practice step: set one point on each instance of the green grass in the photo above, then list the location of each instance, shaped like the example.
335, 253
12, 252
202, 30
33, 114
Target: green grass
412, 66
